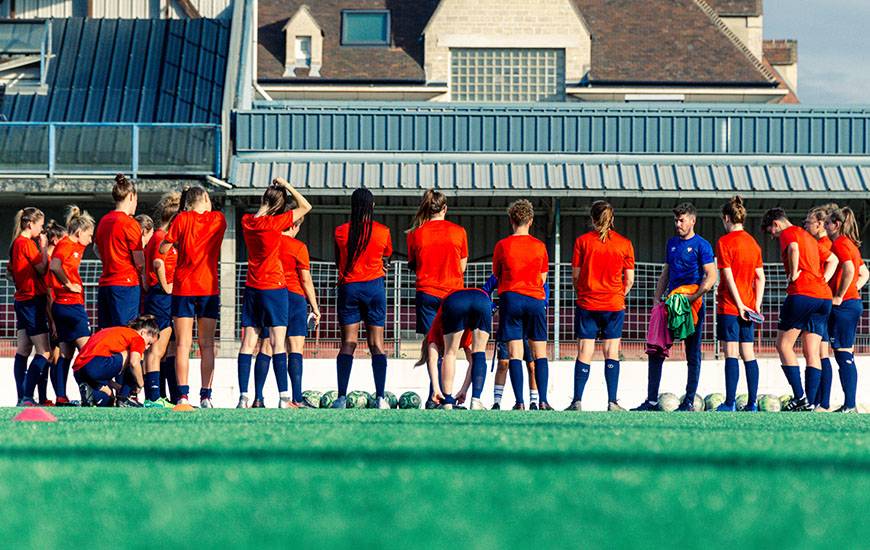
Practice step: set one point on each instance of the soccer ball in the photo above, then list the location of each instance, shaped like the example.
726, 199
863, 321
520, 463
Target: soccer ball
392, 399
312, 398
371, 400
698, 403
328, 398
783, 400
713, 400
409, 400
357, 400
668, 402
769, 403
741, 401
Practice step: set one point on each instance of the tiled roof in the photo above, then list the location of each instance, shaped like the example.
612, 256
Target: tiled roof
742, 8
138, 70
780, 52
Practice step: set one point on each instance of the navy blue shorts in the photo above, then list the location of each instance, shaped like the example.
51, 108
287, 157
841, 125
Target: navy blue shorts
843, 323
504, 353
805, 313
466, 309
159, 304
522, 317
31, 316
427, 307
365, 301
71, 322
208, 307
264, 308
297, 314
99, 371
589, 325
731, 328
117, 305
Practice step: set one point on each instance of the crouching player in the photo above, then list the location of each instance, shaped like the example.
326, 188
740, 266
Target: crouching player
112, 352
464, 320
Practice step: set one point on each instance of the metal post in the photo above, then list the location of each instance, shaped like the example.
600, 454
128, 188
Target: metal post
397, 322
134, 168
228, 287
557, 287
716, 350
52, 150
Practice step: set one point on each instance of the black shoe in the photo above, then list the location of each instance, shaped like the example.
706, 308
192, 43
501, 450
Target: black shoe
575, 406
845, 409
495, 407
686, 406
258, 404
431, 405
519, 407
127, 403
533, 406
798, 405
544, 406
646, 406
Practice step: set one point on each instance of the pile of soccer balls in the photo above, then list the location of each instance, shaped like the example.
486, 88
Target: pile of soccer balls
767, 403
361, 400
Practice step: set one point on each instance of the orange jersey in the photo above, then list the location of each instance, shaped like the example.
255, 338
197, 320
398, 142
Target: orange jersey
846, 251
197, 238
152, 252
436, 249
118, 235
518, 262
294, 256
739, 251
69, 254
369, 264
263, 239
810, 282
24, 254
602, 265
108, 341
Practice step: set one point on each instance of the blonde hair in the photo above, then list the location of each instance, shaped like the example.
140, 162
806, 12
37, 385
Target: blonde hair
78, 220
167, 207
602, 219
25, 217
521, 212
734, 209
848, 224
821, 213
433, 202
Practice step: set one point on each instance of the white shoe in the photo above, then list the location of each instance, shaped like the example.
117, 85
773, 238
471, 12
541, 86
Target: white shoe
285, 403
382, 403
183, 401
244, 402
205, 403
476, 405
447, 407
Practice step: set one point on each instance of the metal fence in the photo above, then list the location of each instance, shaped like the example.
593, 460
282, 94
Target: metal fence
400, 329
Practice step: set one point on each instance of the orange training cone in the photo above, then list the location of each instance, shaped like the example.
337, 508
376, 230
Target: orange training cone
183, 408
34, 414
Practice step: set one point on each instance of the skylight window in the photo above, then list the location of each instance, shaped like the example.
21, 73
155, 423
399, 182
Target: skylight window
365, 28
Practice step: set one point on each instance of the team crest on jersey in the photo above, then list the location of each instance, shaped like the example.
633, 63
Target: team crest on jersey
689, 249
673, 248
75, 254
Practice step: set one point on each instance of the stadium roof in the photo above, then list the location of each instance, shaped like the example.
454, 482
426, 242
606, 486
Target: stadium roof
111, 70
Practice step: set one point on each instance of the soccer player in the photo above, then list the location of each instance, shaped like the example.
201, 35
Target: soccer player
463, 320
113, 352
603, 273
362, 246
815, 226
146, 225
196, 233
68, 308
118, 241
741, 291
28, 261
501, 372
807, 305
689, 269
520, 263
265, 301
54, 232
300, 287
848, 280
160, 268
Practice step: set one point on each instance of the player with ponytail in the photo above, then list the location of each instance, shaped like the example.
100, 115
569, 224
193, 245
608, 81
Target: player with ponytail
603, 274
362, 247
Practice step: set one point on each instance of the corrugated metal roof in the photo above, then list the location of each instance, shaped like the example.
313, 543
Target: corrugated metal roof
137, 71
554, 175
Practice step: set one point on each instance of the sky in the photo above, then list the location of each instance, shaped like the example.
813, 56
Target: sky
833, 47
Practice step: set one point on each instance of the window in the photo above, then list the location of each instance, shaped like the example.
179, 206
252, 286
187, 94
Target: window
507, 74
303, 51
365, 28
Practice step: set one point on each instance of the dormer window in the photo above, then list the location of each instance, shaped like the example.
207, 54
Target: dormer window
304, 45
365, 28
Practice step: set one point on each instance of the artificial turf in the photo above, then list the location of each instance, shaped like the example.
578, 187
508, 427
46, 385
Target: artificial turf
375, 479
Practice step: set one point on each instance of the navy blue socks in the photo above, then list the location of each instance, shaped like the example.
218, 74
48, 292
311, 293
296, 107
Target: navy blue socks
751, 380
152, 386
581, 375
848, 376
542, 377
183, 391
42, 384
295, 371
34, 373
20, 371
205, 393
261, 371
823, 396
732, 375
279, 366
515, 371
655, 378
478, 373
167, 377
344, 363
379, 370
793, 375
692, 378
60, 370
101, 399
812, 377
244, 370
611, 377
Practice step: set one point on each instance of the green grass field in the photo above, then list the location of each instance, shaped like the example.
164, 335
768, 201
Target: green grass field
369, 479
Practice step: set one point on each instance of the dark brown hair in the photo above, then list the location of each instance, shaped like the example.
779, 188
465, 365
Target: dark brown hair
684, 208
433, 202
521, 212
123, 188
771, 216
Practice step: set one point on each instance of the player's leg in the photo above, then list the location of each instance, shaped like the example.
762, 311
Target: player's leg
845, 319
183, 327
728, 334
22, 352
39, 364
810, 345
479, 339
375, 337
747, 353
585, 331
693, 362
297, 330
611, 371
536, 332
448, 367
153, 357
785, 340
501, 372
247, 349
206, 327
529, 360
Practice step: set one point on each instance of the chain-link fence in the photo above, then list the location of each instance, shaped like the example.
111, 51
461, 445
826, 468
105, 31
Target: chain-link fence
400, 330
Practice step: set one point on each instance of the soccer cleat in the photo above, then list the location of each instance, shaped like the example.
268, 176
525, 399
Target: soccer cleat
533, 406
306, 405
519, 407
205, 403
183, 400
258, 404
750, 408
686, 406
87, 394
613, 406
647, 406
287, 403
544, 406
46, 403
430, 404
340, 402
383, 404
820, 409
575, 405
725, 407
65, 402
496, 407
158, 404
244, 402
797, 405
446, 407
476, 405
27, 402
127, 403
847, 410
